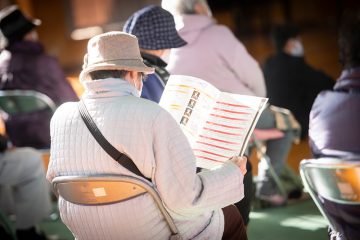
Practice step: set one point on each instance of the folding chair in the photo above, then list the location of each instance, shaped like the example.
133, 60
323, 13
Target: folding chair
259, 137
284, 121
6, 228
334, 185
109, 189
24, 101
14, 102
22, 107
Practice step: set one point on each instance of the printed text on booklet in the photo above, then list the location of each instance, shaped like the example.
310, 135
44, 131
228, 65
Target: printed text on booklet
217, 124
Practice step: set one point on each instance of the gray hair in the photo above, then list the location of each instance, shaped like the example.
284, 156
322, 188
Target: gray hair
103, 74
177, 7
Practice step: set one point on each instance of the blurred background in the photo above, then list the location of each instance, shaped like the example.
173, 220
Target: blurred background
68, 24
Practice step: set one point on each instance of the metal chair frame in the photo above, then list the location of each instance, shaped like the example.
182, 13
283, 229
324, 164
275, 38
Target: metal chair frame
325, 178
261, 151
19, 101
109, 189
7, 226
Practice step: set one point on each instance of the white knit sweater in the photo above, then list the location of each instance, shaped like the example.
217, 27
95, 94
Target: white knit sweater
155, 142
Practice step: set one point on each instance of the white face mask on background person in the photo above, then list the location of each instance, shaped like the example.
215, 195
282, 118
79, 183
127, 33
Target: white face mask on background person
297, 49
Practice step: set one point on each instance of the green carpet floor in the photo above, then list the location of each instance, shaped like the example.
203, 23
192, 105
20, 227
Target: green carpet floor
297, 221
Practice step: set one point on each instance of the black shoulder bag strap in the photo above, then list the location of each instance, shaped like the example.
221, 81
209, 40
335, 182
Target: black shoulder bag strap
121, 158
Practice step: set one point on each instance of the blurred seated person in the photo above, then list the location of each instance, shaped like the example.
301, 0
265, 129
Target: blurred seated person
335, 116
290, 81
214, 54
155, 29
24, 190
24, 65
154, 141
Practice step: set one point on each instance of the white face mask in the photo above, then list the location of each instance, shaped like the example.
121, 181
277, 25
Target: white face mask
297, 49
138, 89
138, 93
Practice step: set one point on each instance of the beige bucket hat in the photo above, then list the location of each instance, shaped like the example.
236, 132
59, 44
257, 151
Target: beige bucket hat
113, 51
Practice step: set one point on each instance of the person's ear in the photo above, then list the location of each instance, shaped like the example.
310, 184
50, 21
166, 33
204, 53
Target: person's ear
130, 75
198, 8
202, 9
32, 36
289, 45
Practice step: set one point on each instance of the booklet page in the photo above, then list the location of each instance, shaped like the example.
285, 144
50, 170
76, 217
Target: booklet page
189, 100
228, 129
217, 124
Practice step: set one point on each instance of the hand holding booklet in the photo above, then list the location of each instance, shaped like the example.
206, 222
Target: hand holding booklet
217, 124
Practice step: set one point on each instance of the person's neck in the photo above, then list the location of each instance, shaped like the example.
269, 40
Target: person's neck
157, 53
287, 50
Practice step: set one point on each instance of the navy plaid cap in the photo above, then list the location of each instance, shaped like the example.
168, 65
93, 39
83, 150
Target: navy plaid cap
155, 28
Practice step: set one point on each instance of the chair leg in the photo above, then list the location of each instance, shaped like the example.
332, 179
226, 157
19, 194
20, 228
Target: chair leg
261, 150
7, 226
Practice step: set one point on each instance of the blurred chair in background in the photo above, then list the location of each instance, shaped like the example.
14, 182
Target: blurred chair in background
24, 101
6, 229
29, 113
24, 65
282, 177
24, 191
334, 185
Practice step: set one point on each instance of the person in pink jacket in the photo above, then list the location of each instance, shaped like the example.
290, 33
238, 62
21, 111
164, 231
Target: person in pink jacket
214, 54
220, 57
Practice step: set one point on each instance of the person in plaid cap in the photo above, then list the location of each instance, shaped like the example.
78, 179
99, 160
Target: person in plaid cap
155, 29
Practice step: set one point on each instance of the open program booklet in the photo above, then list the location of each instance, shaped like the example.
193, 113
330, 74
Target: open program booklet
217, 124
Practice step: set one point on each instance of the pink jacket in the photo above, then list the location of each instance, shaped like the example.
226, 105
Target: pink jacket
214, 54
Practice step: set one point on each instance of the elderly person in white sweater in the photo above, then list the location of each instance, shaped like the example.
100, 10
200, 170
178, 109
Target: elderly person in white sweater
112, 77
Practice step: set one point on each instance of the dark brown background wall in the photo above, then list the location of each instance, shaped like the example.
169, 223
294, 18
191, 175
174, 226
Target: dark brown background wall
251, 21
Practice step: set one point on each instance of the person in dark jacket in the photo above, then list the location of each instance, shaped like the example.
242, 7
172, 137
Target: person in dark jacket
291, 82
155, 29
335, 115
334, 122
25, 66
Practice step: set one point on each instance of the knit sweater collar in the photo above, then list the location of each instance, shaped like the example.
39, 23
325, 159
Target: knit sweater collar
110, 87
